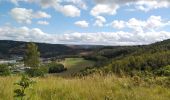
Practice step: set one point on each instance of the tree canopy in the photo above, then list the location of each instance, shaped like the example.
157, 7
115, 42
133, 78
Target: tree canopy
32, 56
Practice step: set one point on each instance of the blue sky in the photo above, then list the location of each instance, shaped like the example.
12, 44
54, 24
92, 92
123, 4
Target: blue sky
101, 22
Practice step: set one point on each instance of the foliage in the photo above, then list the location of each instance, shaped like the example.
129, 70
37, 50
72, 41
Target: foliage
95, 57
164, 71
142, 62
24, 83
56, 67
86, 71
32, 55
117, 51
36, 72
4, 70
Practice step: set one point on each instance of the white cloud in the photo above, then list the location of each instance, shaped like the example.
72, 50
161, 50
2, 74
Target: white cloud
79, 3
82, 24
151, 4
43, 22
110, 6
101, 6
104, 9
70, 10
151, 24
23, 34
138, 31
118, 24
23, 15
100, 20
136, 25
155, 22
41, 14
67, 10
17, 1
101, 38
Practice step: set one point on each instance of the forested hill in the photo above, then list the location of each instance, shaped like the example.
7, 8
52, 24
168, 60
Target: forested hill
154, 58
8, 48
127, 59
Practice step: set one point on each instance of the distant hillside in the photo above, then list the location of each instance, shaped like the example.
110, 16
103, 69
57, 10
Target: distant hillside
8, 48
129, 59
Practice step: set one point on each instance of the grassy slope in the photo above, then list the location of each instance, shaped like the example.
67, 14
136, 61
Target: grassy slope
89, 88
74, 65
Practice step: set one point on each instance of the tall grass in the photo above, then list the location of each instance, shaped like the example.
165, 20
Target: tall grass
94, 87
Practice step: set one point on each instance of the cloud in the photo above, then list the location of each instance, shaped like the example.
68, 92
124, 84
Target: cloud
110, 7
23, 34
43, 22
82, 24
100, 38
67, 9
151, 24
70, 10
144, 5
118, 24
80, 3
100, 7
16, 2
138, 31
23, 15
104, 9
100, 20
41, 14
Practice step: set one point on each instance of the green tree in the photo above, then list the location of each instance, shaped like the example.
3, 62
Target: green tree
23, 84
32, 55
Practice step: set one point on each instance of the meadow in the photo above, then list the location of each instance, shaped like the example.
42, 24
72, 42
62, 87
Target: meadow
75, 65
93, 87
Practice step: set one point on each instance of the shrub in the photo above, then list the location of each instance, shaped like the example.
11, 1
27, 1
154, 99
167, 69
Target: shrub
35, 72
24, 83
56, 68
165, 71
136, 80
95, 58
4, 70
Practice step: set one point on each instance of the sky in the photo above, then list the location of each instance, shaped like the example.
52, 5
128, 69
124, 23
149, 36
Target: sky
89, 22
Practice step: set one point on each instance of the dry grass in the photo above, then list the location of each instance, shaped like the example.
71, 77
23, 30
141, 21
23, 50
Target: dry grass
93, 87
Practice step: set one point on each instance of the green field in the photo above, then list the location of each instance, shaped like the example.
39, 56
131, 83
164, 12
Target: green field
94, 87
75, 65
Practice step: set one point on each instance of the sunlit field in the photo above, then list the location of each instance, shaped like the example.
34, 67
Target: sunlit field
75, 65
93, 87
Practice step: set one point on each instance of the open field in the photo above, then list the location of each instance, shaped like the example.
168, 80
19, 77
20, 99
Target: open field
94, 87
75, 65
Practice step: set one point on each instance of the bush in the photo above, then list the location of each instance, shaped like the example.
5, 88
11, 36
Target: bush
95, 58
24, 83
36, 72
4, 70
165, 71
56, 68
